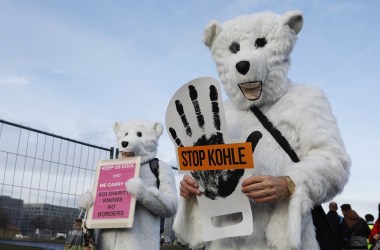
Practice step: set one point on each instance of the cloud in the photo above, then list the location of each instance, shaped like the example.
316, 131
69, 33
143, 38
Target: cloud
13, 80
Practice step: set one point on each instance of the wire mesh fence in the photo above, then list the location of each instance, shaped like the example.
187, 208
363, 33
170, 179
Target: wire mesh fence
42, 177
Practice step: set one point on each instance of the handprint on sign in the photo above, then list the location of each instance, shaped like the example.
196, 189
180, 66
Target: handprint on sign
216, 183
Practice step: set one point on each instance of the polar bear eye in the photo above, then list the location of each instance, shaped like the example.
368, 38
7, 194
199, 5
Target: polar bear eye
139, 134
234, 47
126, 134
260, 42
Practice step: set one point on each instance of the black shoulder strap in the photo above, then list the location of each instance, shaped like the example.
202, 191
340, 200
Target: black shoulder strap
281, 140
154, 168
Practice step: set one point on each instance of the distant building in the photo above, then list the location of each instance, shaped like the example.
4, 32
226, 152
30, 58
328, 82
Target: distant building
11, 208
52, 219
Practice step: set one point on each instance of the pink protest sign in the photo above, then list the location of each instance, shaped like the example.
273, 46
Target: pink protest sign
114, 206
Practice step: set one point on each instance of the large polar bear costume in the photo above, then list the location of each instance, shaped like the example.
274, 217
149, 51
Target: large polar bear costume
140, 138
252, 54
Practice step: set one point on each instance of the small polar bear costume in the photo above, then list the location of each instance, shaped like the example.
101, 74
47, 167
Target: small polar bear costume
252, 54
140, 138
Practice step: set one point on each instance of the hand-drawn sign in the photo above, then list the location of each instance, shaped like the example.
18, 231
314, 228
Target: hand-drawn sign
113, 206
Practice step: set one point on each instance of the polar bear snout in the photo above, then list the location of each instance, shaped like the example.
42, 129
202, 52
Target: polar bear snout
243, 67
124, 144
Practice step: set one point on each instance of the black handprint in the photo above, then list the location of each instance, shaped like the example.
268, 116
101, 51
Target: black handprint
215, 138
194, 98
217, 183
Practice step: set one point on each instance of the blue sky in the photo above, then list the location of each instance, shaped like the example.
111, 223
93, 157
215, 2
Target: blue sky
73, 68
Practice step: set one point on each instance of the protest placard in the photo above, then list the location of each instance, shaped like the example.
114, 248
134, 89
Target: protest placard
113, 206
197, 125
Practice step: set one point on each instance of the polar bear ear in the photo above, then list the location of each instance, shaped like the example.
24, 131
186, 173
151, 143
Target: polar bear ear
211, 31
294, 19
159, 128
116, 127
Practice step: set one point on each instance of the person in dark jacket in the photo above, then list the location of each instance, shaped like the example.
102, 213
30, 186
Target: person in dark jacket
357, 227
337, 224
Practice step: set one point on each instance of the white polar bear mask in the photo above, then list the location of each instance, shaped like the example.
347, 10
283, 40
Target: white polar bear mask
138, 138
252, 55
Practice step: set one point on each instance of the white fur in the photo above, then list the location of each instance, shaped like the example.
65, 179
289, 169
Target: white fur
86, 201
303, 115
152, 203
144, 146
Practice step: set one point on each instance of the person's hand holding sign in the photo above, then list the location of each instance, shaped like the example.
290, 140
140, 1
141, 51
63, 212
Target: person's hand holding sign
264, 189
212, 183
189, 187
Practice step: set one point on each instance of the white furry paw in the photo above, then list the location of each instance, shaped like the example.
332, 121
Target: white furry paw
86, 200
133, 186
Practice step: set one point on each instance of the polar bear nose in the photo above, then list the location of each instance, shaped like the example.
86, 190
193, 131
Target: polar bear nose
242, 67
124, 144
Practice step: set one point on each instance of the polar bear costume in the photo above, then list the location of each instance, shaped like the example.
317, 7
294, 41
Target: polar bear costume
252, 54
140, 138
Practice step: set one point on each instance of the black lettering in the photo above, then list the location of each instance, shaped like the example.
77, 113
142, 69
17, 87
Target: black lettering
219, 156
184, 162
195, 159
111, 193
111, 213
190, 157
241, 155
211, 160
113, 199
201, 157
235, 162
227, 156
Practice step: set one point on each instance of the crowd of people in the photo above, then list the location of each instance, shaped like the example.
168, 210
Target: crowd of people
352, 231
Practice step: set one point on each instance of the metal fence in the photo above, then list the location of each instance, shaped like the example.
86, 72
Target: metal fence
42, 177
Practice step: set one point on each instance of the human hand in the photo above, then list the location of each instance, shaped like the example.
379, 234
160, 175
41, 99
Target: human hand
265, 189
376, 237
189, 187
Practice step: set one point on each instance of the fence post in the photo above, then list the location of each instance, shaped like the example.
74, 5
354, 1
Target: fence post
112, 149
